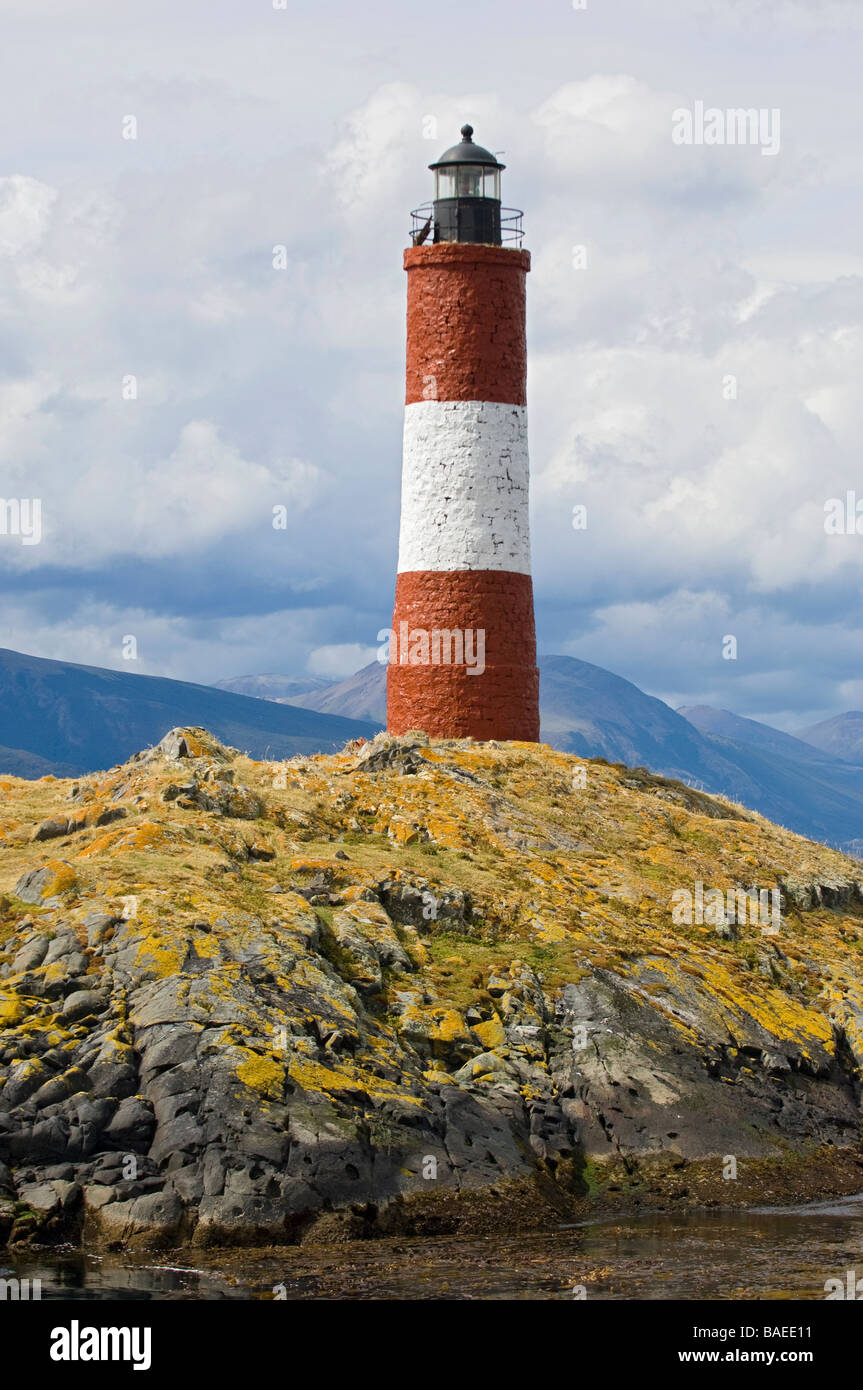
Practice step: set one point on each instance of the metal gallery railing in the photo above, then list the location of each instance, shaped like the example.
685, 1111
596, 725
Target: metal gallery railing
423, 226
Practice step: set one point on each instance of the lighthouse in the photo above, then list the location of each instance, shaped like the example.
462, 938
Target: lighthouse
462, 653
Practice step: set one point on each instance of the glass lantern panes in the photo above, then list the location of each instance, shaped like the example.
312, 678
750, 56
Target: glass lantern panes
445, 182
467, 181
491, 183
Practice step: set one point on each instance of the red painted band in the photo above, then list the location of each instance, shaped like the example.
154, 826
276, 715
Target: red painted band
466, 323
446, 700
501, 704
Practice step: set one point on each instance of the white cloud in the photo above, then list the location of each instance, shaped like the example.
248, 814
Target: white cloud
339, 660
365, 163
25, 212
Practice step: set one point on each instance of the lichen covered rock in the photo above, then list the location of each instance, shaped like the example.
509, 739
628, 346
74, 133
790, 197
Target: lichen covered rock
377, 990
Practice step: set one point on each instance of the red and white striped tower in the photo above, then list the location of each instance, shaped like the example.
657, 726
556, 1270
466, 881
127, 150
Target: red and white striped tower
464, 545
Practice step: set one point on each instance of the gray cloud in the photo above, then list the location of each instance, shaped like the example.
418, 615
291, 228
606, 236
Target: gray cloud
259, 387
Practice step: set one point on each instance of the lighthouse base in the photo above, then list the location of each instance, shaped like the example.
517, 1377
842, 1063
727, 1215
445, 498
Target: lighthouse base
463, 656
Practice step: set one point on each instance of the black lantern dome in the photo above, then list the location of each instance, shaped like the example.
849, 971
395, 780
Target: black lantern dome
466, 203
466, 152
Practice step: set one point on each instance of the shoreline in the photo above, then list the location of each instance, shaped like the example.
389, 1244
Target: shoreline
533, 1204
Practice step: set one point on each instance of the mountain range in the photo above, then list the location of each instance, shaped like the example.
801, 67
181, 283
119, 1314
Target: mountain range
273, 687
65, 719
841, 736
60, 718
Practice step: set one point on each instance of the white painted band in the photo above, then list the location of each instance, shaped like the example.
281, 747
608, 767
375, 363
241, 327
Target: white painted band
465, 479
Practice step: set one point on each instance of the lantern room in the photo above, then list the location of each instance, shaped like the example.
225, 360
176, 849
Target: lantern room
466, 203
467, 193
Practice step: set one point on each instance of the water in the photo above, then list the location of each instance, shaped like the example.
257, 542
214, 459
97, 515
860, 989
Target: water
766, 1253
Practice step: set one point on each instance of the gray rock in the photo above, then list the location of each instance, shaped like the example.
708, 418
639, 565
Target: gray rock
49, 1197
46, 1141
98, 925
32, 884
99, 1195
187, 1183
50, 829
157, 1209
166, 1047
175, 745
23, 1080
31, 955
420, 904
252, 1218
65, 943
385, 751
60, 1088
59, 1172
64, 825
132, 1127
83, 1002
177, 1131
113, 1079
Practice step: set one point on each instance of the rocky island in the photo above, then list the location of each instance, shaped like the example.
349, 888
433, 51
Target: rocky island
412, 987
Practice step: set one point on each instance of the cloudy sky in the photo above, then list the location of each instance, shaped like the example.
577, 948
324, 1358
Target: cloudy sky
164, 386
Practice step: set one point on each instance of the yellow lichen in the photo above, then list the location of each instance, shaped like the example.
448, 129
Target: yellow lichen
262, 1074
